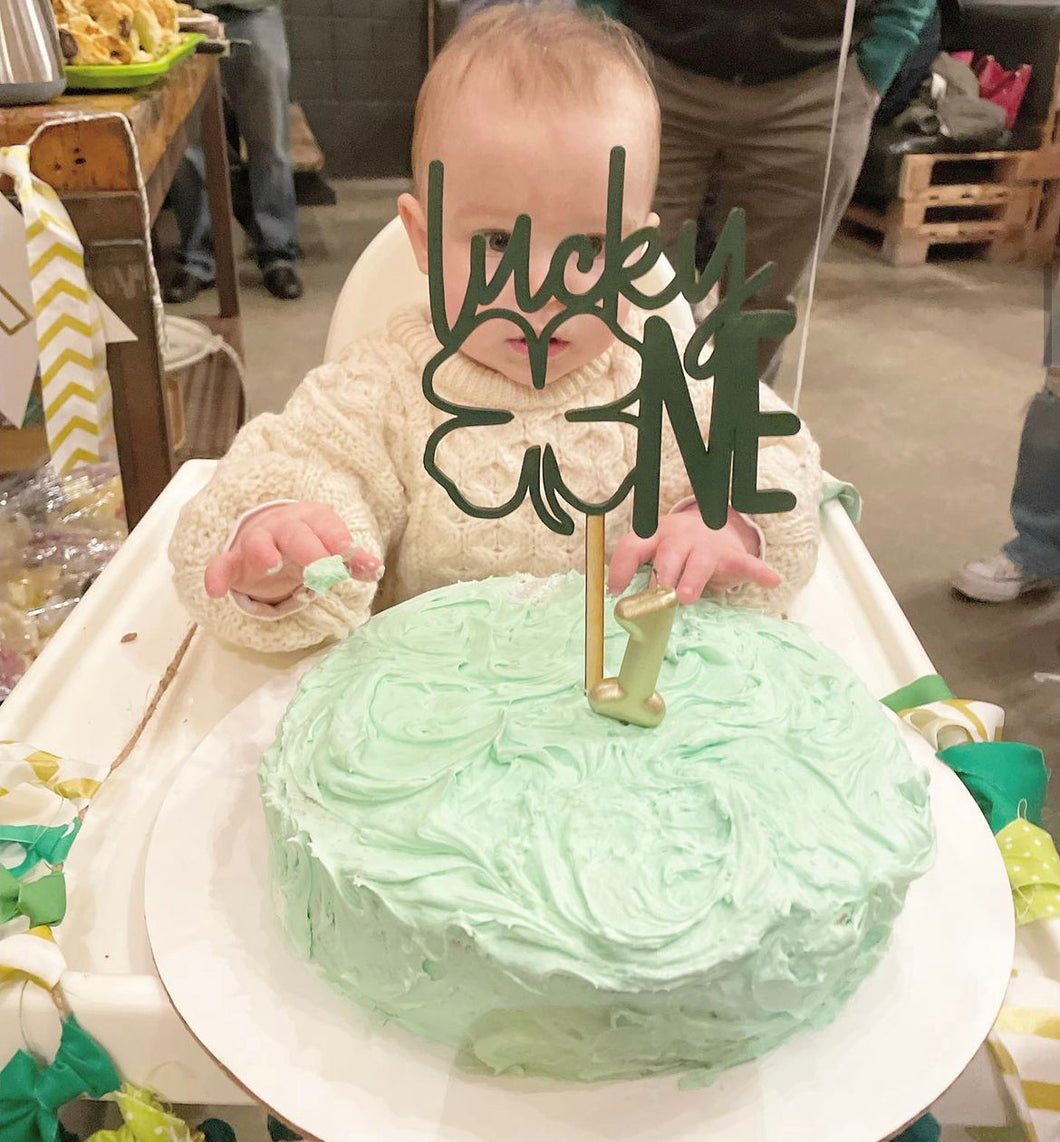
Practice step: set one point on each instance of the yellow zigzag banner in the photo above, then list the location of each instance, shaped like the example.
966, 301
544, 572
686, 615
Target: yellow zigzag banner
73, 361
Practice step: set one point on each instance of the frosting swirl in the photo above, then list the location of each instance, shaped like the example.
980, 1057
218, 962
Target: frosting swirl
466, 848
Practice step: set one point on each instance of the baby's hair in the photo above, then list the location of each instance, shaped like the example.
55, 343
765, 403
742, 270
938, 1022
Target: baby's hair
544, 54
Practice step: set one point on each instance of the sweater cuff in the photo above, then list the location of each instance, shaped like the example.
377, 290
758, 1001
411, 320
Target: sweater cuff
270, 612
248, 515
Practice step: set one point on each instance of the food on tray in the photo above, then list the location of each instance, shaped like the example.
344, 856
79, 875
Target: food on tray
57, 532
96, 32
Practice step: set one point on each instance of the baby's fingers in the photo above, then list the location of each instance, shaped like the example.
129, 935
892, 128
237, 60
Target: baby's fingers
670, 560
741, 567
329, 529
699, 567
630, 552
260, 556
364, 566
221, 573
299, 543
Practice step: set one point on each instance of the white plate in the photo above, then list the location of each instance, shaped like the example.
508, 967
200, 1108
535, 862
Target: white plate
320, 1063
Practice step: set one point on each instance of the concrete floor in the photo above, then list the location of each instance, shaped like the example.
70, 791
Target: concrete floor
916, 381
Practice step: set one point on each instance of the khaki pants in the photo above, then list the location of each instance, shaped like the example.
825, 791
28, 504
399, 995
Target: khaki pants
762, 147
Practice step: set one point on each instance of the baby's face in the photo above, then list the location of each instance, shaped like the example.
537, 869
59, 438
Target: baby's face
501, 162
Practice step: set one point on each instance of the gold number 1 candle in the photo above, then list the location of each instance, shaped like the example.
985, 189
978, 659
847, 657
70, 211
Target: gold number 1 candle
632, 697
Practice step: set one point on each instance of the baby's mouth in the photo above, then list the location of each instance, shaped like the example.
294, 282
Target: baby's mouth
555, 345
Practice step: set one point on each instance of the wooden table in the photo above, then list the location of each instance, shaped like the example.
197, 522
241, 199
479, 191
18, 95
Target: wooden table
91, 164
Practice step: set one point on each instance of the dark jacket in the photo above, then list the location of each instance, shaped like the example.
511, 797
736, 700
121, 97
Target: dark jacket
752, 41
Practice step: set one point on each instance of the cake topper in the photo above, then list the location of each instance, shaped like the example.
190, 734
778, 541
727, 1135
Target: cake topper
724, 347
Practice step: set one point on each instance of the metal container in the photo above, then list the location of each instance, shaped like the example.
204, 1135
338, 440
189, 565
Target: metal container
31, 60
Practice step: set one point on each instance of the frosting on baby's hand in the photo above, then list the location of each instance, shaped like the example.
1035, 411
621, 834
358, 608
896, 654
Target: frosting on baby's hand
323, 574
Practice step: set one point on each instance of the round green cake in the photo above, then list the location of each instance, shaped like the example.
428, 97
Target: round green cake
465, 848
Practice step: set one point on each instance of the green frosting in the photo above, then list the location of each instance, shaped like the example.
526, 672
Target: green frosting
323, 574
465, 848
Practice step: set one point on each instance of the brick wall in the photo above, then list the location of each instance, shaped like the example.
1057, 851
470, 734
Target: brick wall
356, 66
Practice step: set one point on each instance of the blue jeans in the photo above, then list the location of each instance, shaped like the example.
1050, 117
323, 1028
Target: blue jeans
1036, 492
256, 87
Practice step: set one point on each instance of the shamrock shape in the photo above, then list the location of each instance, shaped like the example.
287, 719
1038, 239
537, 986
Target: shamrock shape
536, 473
723, 473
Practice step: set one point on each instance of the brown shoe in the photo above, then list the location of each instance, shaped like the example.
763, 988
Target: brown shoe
183, 287
283, 282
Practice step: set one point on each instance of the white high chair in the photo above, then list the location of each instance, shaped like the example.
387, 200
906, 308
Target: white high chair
386, 276
61, 705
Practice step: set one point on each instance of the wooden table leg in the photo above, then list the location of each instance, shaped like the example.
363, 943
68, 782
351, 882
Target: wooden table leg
218, 188
118, 271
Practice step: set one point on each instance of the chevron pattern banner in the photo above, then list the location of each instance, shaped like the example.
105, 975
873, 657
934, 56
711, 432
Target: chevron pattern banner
70, 338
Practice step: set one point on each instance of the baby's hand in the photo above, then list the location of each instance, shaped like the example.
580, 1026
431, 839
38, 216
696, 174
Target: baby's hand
688, 555
272, 548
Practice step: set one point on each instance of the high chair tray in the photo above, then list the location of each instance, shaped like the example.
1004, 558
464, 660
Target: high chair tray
88, 691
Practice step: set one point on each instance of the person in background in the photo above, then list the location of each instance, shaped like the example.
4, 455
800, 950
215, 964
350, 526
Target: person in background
256, 86
1031, 561
746, 89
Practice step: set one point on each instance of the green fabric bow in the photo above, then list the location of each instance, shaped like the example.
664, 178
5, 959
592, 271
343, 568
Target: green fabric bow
1007, 779
40, 843
1002, 777
41, 901
30, 1095
145, 1119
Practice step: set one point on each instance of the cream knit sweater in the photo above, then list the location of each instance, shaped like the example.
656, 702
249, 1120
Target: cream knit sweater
353, 435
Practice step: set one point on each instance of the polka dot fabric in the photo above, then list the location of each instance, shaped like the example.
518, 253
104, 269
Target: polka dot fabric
1033, 867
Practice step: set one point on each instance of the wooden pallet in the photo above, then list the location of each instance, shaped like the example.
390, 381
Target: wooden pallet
1044, 163
976, 198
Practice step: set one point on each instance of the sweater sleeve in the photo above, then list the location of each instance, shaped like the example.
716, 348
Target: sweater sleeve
893, 34
328, 446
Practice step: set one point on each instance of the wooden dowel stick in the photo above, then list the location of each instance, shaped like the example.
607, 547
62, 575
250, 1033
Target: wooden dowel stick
594, 600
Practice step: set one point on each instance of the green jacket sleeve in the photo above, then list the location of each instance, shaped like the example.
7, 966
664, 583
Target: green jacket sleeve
893, 34
612, 8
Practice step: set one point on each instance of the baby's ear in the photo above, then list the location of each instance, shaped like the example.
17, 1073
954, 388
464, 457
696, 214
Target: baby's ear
415, 223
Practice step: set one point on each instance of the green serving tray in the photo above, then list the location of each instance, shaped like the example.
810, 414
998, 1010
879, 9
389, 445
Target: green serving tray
121, 76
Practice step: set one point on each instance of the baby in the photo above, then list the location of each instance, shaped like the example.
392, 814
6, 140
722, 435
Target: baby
523, 108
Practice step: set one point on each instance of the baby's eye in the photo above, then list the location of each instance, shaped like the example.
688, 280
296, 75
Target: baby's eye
596, 241
496, 240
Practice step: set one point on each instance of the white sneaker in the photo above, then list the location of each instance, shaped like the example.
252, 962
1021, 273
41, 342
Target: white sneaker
996, 580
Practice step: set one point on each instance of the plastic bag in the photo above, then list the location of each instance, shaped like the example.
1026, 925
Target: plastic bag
56, 534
